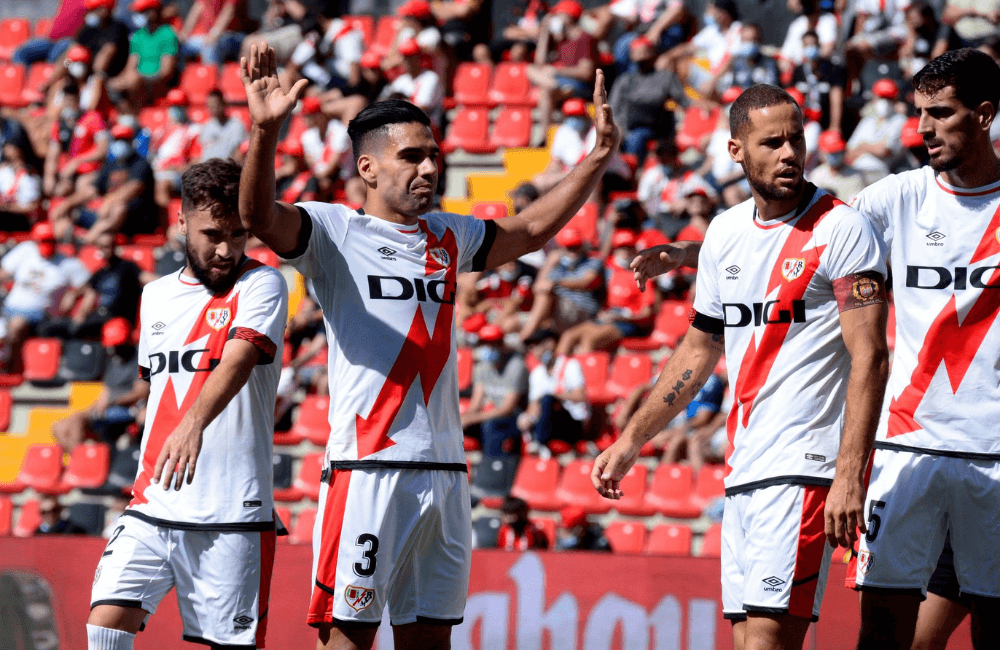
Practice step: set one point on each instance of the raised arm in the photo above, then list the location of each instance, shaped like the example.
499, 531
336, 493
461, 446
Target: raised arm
274, 223
529, 230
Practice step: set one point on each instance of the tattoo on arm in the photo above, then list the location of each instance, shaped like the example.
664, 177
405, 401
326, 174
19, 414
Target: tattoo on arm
859, 290
675, 392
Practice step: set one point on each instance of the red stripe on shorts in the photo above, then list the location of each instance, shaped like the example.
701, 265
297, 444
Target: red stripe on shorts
321, 604
809, 554
267, 543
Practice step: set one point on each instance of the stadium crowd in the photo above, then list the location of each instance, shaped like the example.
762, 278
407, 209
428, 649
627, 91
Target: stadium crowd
556, 349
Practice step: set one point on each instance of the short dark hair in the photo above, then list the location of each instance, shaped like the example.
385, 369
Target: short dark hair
213, 185
974, 75
373, 122
753, 98
810, 32
513, 504
215, 92
527, 190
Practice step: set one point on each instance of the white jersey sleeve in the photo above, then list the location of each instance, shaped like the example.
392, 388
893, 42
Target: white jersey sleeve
854, 247
877, 203
706, 298
328, 229
262, 315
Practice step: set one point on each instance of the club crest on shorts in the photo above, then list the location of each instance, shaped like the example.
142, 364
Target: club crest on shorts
792, 268
97, 574
440, 256
358, 598
217, 318
866, 561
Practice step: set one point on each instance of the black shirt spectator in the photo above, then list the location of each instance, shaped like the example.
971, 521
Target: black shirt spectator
143, 214
815, 79
115, 32
118, 287
12, 131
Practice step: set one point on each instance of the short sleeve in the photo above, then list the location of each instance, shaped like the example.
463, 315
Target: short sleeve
171, 46
262, 313
537, 384
574, 377
143, 351
76, 273
323, 229
854, 247
473, 237
15, 258
875, 203
707, 300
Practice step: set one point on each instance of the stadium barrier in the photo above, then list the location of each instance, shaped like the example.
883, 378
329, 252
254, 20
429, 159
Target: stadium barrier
518, 601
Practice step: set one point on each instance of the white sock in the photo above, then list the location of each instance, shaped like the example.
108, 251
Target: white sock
104, 638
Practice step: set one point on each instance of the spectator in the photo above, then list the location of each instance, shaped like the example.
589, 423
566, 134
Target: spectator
517, 532
569, 145
118, 404
501, 294
152, 64
124, 186
499, 389
656, 179
175, 147
815, 16
878, 29
565, 60
927, 38
875, 147
518, 39
568, 288
294, 182
678, 440
975, 21
665, 23
78, 145
716, 41
93, 96
421, 87
20, 189
747, 66
722, 172
821, 82
639, 100
281, 28
834, 174
330, 56
213, 30
463, 23
46, 283
557, 396
13, 132
326, 145
698, 201
128, 116
53, 522
578, 534
222, 133
417, 22
170, 257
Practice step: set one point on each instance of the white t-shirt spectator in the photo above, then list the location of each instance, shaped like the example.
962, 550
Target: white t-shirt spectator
320, 151
567, 375
826, 30
18, 186
642, 11
875, 130
40, 283
715, 45
221, 140
568, 145
425, 90
341, 44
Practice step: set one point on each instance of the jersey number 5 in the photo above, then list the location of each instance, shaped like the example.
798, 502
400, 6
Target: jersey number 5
874, 520
366, 569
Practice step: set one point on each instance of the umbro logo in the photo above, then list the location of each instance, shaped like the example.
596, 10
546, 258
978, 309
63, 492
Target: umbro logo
242, 622
773, 583
733, 271
935, 238
387, 253
158, 326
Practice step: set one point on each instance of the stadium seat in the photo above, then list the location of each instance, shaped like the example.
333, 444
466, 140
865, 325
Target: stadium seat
471, 85
81, 361
284, 513
6, 516
88, 466
670, 492
575, 489
151, 240
385, 32
313, 421
242, 113
698, 125
28, 520
38, 75
628, 372
310, 470
626, 536
469, 131
265, 256
634, 487
12, 78
485, 531
585, 222
41, 359
9, 380
302, 531
153, 118
286, 438
510, 86
710, 485
595, 375
198, 114
91, 258
43, 26
231, 85
670, 325
464, 357
283, 489
42, 468
6, 402
489, 210
711, 542
13, 32
536, 482
493, 479
512, 128
142, 256
670, 539
197, 80
364, 24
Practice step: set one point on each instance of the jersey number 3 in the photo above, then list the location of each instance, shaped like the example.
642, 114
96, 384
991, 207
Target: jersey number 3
366, 569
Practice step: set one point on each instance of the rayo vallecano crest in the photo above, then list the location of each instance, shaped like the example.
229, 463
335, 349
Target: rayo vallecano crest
440, 256
793, 267
217, 318
358, 598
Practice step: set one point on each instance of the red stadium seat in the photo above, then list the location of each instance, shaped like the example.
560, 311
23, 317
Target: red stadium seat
575, 489
711, 542
142, 256
42, 468
231, 85
302, 532
313, 422
8, 380
6, 516
671, 324
595, 375
536, 482
698, 124
41, 359
364, 24
585, 222
710, 485
464, 357
39, 75
174, 211
671, 490
310, 471
628, 372
197, 80
265, 256
469, 131
198, 114
12, 78
6, 402
242, 113
286, 438
385, 32
88, 466
626, 536
634, 487
489, 210
13, 32
91, 258
510, 86
151, 240
472, 84
296, 127
43, 26
512, 128
670, 539
153, 118
285, 515
29, 520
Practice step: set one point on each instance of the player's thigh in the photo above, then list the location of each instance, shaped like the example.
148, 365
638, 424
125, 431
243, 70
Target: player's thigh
134, 570
774, 632
936, 620
421, 636
974, 516
888, 618
340, 637
733, 558
906, 511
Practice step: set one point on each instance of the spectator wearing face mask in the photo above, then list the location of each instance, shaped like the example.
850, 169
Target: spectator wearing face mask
517, 532
175, 147
699, 204
569, 145
834, 174
326, 145
421, 87
821, 82
747, 66
557, 396
501, 294
330, 55
294, 182
499, 389
153, 50
926, 38
128, 116
724, 174
93, 96
716, 41
815, 16
875, 147
78, 145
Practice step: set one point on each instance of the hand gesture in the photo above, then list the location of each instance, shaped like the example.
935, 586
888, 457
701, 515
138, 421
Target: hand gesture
608, 135
179, 454
612, 466
845, 511
655, 261
268, 102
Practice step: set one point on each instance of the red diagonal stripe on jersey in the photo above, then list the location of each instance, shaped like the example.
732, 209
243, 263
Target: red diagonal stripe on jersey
950, 342
759, 358
422, 354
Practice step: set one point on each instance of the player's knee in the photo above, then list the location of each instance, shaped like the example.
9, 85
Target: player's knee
105, 638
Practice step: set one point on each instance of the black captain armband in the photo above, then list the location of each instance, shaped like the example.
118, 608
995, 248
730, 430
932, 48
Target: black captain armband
705, 323
490, 234
305, 232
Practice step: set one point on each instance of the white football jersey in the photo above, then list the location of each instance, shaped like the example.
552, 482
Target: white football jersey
183, 330
771, 283
388, 297
944, 248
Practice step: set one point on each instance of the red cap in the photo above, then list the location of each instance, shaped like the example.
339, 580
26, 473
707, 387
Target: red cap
832, 142
115, 332
732, 94
574, 107
291, 147
573, 516
310, 105
415, 9
640, 41
623, 237
177, 97
144, 5
371, 60
796, 95
122, 132
43, 231
490, 333
911, 137
409, 47
474, 323
78, 53
570, 8
886, 89
569, 238
245, 147
90, 5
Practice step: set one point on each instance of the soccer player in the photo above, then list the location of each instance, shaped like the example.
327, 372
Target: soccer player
791, 288
394, 525
209, 338
936, 467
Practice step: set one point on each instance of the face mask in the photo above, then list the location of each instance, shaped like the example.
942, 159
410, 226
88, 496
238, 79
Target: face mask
835, 159
557, 25
508, 276
177, 114
546, 357
748, 49
883, 107
119, 150
92, 19
568, 259
69, 114
140, 21
622, 260
810, 52
129, 121
77, 69
577, 123
406, 33
488, 354
709, 21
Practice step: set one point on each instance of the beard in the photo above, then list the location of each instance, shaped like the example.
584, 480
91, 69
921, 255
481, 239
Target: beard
203, 274
944, 163
771, 191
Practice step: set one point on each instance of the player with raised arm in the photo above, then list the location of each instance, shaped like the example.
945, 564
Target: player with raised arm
936, 468
394, 524
210, 334
791, 287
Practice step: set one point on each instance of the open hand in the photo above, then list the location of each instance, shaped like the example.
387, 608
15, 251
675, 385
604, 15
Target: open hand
612, 466
608, 134
178, 456
655, 261
268, 102
844, 513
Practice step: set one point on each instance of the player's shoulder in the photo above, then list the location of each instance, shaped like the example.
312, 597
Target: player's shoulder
258, 274
730, 222
162, 286
896, 187
327, 211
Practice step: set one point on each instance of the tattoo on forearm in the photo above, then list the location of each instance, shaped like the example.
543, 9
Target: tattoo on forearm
859, 290
675, 392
